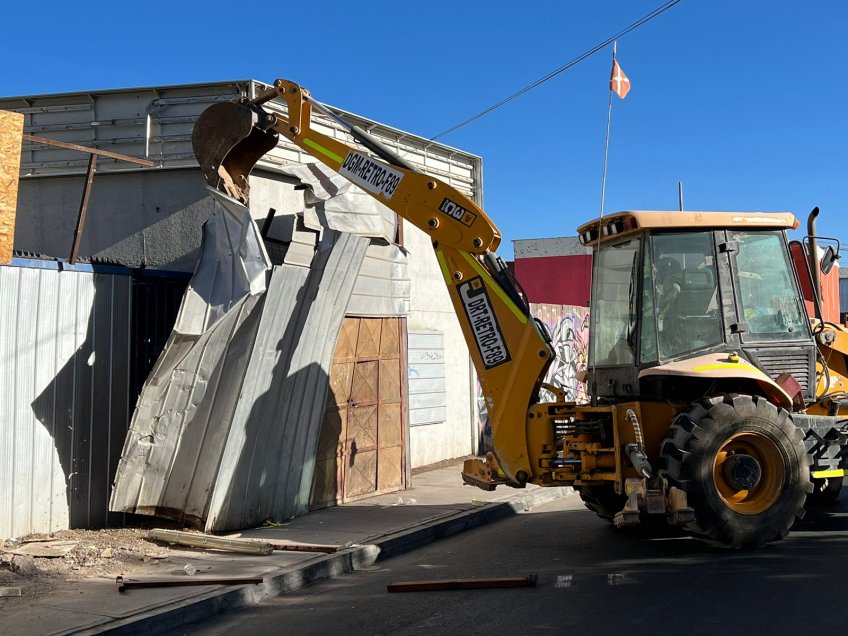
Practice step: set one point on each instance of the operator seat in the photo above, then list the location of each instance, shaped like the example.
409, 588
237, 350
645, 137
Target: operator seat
697, 289
694, 304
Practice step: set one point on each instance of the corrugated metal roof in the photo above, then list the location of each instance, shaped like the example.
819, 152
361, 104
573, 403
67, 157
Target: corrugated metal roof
157, 122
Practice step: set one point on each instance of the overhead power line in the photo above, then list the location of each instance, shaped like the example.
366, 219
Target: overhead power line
653, 14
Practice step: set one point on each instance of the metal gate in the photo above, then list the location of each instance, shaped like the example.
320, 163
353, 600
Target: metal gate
155, 304
361, 450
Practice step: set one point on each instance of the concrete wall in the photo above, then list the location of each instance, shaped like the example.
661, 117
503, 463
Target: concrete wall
562, 246
146, 219
554, 270
431, 309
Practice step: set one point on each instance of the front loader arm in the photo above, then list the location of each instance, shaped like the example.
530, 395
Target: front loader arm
509, 351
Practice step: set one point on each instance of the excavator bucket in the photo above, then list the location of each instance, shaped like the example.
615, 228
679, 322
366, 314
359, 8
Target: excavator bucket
228, 140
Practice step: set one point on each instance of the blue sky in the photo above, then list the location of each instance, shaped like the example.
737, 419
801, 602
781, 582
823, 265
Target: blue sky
743, 101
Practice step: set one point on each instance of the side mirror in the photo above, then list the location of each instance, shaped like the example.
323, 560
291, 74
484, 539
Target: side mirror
829, 259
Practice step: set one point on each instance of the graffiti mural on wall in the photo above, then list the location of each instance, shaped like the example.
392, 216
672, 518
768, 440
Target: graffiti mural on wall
569, 329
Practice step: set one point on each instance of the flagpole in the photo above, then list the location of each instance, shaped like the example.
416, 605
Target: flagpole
606, 140
594, 388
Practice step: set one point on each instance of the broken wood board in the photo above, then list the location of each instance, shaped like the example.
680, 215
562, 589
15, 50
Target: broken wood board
11, 140
10, 591
287, 545
296, 546
45, 549
463, 584
199, 540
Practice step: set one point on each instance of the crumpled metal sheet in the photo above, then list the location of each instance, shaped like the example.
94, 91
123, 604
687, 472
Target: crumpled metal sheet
172, 448
268, 463
233, 265
226, 428
334, 202
382, 287
331, 201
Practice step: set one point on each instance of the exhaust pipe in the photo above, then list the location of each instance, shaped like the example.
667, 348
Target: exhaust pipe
812, 258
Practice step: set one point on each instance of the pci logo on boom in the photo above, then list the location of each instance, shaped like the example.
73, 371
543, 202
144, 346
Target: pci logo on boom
456, 211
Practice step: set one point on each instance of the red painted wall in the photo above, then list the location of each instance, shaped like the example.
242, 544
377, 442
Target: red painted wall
558, 280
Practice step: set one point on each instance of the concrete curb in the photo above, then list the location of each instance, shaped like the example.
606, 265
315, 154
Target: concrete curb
166, 618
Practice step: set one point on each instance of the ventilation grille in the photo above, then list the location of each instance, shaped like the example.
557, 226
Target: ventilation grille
798, 363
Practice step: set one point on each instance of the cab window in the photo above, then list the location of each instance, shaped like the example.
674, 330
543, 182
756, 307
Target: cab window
769, 303
685, 310
613, 317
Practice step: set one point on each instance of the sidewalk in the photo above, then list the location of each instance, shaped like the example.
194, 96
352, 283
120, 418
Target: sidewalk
437, 505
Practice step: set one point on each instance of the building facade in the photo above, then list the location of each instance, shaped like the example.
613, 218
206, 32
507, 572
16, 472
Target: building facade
150, 219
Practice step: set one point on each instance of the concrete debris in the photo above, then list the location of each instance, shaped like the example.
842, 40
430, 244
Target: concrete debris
45, 549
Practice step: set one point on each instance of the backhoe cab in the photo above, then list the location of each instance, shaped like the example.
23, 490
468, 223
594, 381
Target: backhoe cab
700, 319
688, 303
716, 404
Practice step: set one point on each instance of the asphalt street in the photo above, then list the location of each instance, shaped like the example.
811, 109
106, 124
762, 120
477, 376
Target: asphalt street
593, 579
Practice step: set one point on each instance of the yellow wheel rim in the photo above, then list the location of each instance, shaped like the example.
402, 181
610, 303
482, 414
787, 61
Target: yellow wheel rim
749, 454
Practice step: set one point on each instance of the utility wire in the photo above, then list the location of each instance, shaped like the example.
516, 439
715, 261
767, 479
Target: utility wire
653, 14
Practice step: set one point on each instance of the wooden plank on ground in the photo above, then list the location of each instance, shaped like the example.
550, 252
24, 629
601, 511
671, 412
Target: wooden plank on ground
199, 540
463, 584
296, 546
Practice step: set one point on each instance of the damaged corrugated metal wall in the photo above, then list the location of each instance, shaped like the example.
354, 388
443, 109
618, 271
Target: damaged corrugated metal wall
64, 412
227, 426
157, 224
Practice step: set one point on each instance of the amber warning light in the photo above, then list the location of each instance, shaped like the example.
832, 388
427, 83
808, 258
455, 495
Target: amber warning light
612, 228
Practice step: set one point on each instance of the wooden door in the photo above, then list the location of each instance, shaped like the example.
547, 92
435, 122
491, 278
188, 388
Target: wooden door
361, 449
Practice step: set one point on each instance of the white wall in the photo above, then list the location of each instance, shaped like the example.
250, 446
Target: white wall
431, 309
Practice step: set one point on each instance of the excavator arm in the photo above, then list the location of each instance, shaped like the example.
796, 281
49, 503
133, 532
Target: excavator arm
510, 352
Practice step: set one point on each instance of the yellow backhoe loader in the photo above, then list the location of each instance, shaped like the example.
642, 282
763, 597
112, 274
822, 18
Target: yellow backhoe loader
716, 403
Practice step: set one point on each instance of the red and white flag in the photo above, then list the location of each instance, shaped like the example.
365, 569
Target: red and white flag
619, 83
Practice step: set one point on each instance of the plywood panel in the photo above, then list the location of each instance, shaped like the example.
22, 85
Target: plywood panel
389, 338
346, 344
362, 428
390, 469
361, 474
365, 385
391, 431
341, 381
368, 345
11, 131
390, 381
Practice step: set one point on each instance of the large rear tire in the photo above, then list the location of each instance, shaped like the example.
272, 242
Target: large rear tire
743, 466
602, 500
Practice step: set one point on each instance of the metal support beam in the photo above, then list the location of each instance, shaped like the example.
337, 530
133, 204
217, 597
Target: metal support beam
86, 195
92, 151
